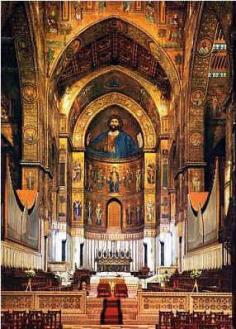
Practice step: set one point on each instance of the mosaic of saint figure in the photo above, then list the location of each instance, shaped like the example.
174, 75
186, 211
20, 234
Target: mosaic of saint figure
77, 209
89, 212
196, 183
99, 178
151, 173
90, 177
150, 211
138, 175
128, 178
76, 172
113, 143
98, 214
129, 215
138, 214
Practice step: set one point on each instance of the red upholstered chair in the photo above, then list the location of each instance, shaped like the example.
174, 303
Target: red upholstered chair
104, 290
121, 290
48, 321
209, 326
182, 315
54, 317
35, 320
224, 320
207, 319
165, 320
194, 321
200, 316
227, 323
181, 325
217, 317
185, 320
20, 319
7, 320
14, 320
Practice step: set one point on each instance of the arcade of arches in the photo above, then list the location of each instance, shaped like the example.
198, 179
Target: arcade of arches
118, 156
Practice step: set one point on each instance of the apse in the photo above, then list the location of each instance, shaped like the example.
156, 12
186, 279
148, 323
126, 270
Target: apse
114, 168
114, 148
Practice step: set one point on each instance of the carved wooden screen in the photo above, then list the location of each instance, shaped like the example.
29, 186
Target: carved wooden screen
114, 214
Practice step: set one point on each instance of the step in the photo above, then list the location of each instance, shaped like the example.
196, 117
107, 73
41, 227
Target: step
95, 321
129, 326
147, 319
94, 307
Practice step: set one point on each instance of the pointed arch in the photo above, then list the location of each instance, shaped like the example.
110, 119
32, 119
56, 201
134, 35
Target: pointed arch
99, 104
133, 31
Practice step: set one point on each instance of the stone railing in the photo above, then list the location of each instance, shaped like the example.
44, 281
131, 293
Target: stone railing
149, 303
67, 302
153, 302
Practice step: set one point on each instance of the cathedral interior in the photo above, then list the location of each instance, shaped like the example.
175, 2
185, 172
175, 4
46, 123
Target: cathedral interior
118, 184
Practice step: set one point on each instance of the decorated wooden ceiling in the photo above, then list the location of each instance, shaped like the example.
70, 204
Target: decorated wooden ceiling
108, 43
144, 36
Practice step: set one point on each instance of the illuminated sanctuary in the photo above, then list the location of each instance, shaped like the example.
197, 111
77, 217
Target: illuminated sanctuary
118, 200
